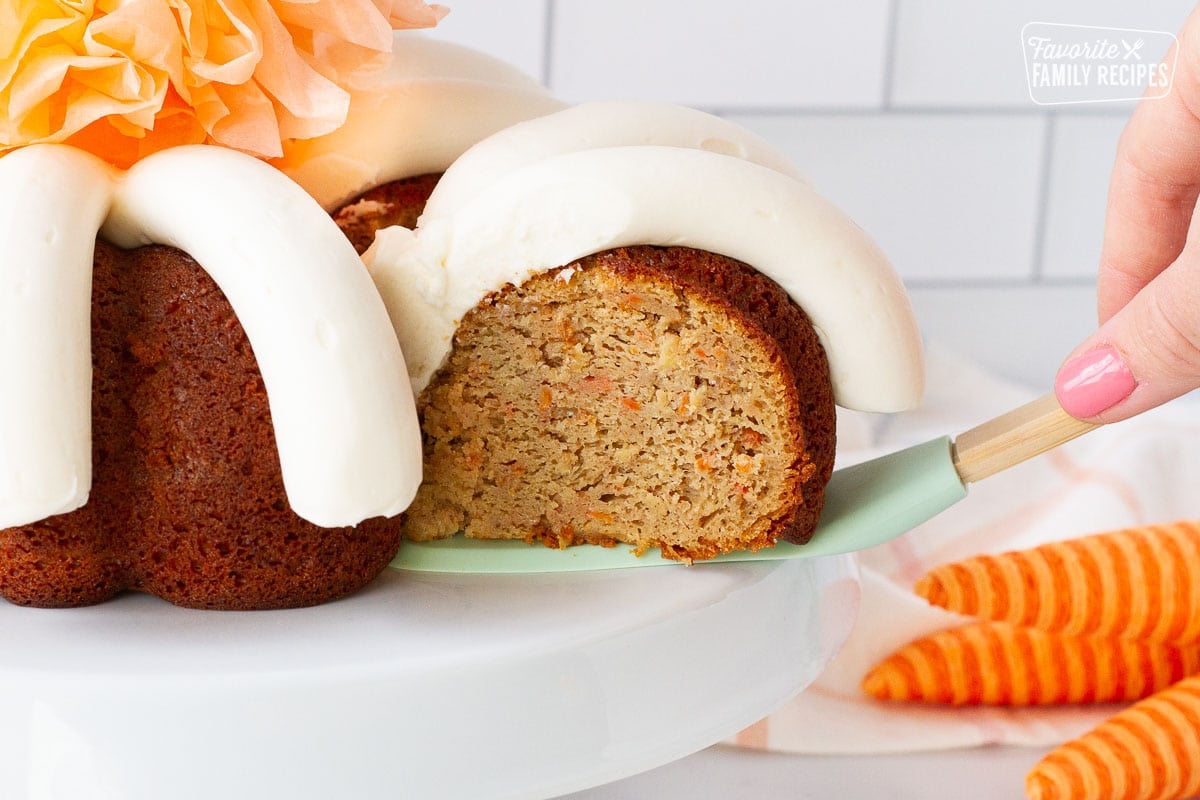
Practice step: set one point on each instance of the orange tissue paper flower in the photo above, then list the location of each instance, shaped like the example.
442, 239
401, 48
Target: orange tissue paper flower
123, 78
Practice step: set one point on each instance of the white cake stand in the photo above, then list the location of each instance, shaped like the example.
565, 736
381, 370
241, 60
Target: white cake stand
421, 686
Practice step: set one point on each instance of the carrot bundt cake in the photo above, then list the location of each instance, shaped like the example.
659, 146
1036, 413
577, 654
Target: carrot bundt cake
628, 322
617, 322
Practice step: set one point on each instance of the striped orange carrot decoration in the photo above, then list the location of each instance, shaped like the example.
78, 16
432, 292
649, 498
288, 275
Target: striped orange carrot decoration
993, 663
1149, 751
1139, 583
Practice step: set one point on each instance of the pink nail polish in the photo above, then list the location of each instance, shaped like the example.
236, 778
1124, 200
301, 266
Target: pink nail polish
1093, 382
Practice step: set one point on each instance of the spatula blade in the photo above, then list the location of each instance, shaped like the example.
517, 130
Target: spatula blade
865, 505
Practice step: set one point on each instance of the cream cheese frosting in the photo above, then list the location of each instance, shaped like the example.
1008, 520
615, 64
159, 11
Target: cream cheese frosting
593, 125
48, 196
344, 417
544, 213
434, 101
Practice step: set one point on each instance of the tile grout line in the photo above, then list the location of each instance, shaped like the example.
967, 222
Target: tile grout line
889, 54
547, 41
998, 283
872, 111
1037, 275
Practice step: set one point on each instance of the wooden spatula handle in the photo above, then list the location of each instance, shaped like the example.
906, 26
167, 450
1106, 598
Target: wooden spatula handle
1014, 437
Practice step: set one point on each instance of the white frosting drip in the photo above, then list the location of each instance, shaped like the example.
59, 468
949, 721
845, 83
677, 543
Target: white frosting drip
433, 102
590, 126
52, 201
552, 211
345, 421
416, 56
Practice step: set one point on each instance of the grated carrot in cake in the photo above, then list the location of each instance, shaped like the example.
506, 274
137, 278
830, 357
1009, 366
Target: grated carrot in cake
688, 381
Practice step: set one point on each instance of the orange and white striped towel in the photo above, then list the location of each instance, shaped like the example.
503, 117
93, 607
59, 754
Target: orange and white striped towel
1140, 471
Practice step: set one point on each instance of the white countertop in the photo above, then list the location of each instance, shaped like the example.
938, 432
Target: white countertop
722, 773
422, 685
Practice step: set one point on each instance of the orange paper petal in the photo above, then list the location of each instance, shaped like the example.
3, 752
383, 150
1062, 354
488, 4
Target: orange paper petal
122, 144
308, 103
245, 118
248, 73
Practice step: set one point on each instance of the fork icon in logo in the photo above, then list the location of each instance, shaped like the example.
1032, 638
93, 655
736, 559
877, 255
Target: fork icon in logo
1133, 49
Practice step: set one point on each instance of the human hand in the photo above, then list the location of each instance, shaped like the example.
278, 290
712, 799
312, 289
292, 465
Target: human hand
1147, 348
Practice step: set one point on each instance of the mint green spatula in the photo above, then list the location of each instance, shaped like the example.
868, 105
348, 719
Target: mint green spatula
865, 505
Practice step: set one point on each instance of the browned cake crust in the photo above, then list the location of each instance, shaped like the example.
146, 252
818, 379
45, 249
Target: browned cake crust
187, 500
396, 203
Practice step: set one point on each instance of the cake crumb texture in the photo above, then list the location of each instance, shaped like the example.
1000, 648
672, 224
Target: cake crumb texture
662, 397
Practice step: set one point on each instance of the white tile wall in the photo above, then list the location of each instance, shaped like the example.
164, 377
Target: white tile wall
750, 53
948, 197
1081, 158
913, 115
512, 30
969, 54
1020, 333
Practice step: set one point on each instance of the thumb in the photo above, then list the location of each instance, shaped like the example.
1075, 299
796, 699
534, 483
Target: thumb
1144, 355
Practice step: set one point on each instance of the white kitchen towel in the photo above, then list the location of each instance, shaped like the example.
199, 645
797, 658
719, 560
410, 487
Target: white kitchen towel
1140, 471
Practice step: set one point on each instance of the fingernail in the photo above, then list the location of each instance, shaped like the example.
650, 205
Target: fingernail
1093, 382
